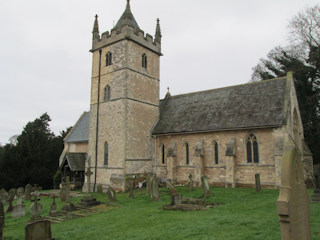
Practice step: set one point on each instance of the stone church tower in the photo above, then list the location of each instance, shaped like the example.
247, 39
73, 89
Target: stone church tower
124, 104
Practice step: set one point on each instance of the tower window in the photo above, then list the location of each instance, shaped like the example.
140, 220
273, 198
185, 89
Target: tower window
106, 153
108, 58
107, 93
252, 149
187, 154
163, 152
144, 60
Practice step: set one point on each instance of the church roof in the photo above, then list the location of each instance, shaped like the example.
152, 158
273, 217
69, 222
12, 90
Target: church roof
127, 18
80, 131
252, 105
76, 161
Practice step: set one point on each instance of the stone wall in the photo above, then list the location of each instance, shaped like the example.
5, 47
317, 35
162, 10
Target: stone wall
244, 172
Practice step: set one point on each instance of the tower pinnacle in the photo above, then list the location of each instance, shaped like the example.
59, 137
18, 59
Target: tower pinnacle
95, 31
127, 18
158, 32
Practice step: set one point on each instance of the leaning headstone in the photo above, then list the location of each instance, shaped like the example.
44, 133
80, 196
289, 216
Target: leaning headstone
27, 194
155, 194
1, 219
190, 183
316, 194
171, 188
53, 208
206, 187
111, 194
257, 180
38, 230
293, 201
99, 189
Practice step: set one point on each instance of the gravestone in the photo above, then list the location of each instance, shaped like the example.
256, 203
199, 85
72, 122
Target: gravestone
19, 199
35, 208
171, 188
28, 186
53, 207
27, 194
293, 201
131, 195
190, 183
99, 189
1, 218
63, 193
20, 191
10, 207
12, 192
155, 195
68, 207
38, 230
19, 211
316, 194
257, 181
88, 174
206, 187
149, 177
4, 196
176, 199
111, 194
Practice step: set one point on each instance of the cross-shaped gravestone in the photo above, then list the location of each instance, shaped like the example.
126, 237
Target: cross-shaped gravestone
68, 189
53, 208
88, 173
190, 183
36, 207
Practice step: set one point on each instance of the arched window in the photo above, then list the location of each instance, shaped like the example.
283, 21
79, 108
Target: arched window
144, 60
187, 154
107, 93
216, 153
252, 149
108, 58
106, 153
163, 154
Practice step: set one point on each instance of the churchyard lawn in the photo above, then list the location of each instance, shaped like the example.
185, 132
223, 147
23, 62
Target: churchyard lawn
241, 214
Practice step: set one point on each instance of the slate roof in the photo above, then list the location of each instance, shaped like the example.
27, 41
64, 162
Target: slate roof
76, 161
253, 105
127, 18
80, 131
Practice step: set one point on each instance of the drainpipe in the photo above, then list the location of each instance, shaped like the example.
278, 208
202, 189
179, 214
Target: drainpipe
97, 124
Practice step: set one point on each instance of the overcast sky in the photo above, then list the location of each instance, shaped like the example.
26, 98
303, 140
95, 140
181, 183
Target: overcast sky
45, 63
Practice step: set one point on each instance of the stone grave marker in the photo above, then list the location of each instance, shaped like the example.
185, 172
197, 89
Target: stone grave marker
171, 188
19, 211
88, 174
1, 218
10, 207
155, 194
293, 201
190, 183
69, 206
27, 194
38, 230
20, 191
28, 186
149, 176
99, 189
4, 196
316, 194
36, 207
19, 199
131, 195
176, 199
111, 194
63, 193
53, 207
257, 181
12, 192
206, 187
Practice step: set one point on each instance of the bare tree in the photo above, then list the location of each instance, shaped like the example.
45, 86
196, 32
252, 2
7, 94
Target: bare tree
305, 27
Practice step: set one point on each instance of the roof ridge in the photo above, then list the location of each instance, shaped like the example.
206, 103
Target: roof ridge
238, 85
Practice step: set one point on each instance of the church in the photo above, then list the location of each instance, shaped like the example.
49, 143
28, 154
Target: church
227, 134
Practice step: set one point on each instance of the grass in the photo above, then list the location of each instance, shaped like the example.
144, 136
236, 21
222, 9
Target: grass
242, 214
